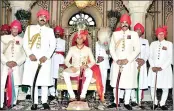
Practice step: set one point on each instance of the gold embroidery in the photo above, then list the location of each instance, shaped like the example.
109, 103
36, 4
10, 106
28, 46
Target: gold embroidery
33, 39
119, 41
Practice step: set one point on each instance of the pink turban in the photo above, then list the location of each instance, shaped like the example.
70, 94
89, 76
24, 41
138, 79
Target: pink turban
59, 29
161, 29
17, 24
139, 26
118, 29
5, 27
125, 17
78, 35
43, 12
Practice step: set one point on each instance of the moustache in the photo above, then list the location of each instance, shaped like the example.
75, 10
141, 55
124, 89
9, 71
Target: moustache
124, 26
42, 20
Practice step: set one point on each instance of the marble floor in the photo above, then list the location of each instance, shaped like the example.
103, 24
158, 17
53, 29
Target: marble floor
93, 104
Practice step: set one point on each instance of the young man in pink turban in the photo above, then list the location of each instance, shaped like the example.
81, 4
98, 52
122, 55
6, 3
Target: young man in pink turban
141, 63
39, 45
12, 59
124, 48
80, 54
57, 59
5, 29
160, 60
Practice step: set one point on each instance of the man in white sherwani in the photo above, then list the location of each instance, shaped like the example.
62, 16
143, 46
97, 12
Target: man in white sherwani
80, 55
102, 54
39, 45
160, 60
124, 48
12, 59
57, 58
141, 62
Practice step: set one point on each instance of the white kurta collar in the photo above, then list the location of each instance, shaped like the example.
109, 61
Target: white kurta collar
161, 41
126, 32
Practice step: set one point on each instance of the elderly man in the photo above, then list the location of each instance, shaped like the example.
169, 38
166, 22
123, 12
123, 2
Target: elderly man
102, 54
39, 45
124, 48
81, 55
141, 64
12, 58
5, 29
160, 60
57, 58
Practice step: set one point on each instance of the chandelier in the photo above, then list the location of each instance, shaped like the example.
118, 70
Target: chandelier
83, 4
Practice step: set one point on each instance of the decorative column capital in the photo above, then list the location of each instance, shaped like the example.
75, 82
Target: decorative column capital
137, 6
22, 4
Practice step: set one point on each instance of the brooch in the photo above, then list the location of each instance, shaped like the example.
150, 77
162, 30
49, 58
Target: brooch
128, 36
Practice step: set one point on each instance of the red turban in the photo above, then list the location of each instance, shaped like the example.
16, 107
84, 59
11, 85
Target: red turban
161, 29
59, 29
118, 29
79, 34
139, 26
125, 17
43, 12
17, 24
5, 27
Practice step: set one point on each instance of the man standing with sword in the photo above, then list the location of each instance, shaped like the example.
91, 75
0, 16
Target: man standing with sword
12, 59
39, 45
124, 48
141, 66
160, 71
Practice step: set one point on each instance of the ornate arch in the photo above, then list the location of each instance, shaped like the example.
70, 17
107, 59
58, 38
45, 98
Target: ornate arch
71, 10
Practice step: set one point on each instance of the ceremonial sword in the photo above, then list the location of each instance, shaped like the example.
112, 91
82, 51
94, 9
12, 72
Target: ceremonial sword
117, 84
155, 89
35, 79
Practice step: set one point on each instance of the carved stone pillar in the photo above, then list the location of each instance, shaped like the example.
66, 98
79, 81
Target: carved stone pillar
137, 10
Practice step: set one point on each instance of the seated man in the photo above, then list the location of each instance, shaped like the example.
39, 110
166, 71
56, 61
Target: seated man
80, 55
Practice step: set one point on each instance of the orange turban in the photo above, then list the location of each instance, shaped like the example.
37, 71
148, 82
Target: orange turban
139, 26
17, 24
78, 35
43, 12
5, 27
118, 29
161, 29
59, 29
125, 17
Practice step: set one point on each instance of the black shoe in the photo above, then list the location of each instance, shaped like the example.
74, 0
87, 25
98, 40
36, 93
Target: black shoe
155, 106
134, 104
46, 106
164, 107
128, 107
51, 97
121, 100
113, 105
34, 107
142, 107
28, 97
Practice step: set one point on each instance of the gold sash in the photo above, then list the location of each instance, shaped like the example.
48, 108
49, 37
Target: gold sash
118, 42
33, 39
7, 45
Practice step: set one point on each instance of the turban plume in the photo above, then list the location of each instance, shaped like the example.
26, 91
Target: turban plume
80, 34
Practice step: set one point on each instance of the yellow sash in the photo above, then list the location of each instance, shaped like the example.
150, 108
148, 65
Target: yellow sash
33, 39
7, 45
118, 42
